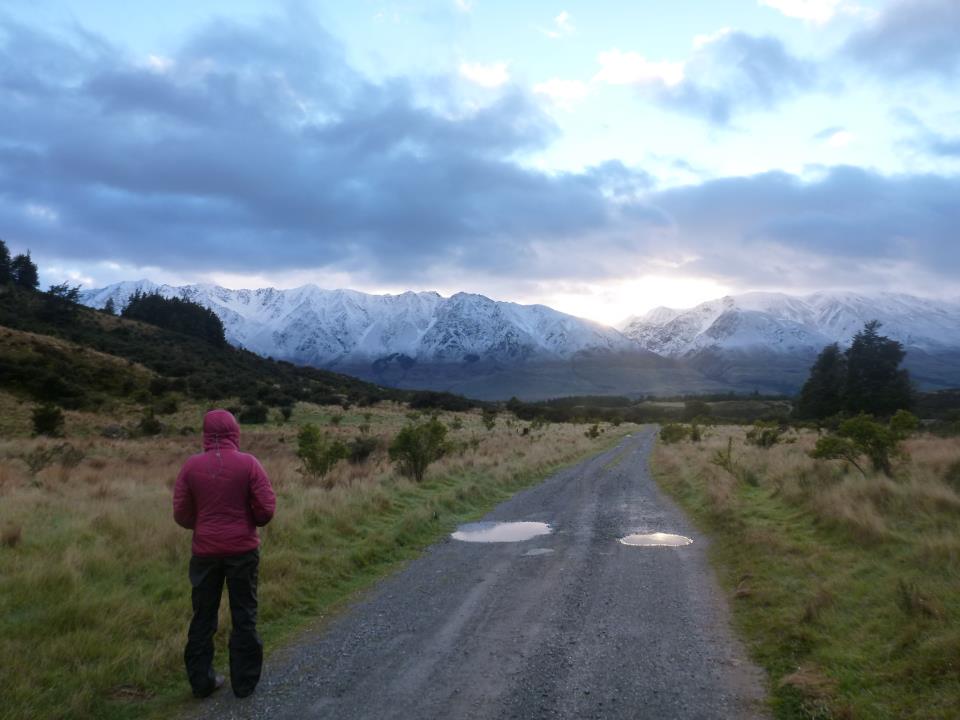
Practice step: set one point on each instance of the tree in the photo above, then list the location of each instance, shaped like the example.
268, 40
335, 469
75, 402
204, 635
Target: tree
177, 314
110, 307
6, 276
876, 385
48, 420
60, 302
24, 272
822, 393
416, 446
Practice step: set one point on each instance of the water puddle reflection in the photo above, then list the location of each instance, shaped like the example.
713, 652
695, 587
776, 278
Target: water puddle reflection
656, 539
500, 531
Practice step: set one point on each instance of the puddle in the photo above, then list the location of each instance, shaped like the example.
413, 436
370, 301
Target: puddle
538, 551
500, 531
656, 539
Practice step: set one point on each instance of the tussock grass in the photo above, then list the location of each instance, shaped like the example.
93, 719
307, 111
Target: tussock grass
846, 587
94, 598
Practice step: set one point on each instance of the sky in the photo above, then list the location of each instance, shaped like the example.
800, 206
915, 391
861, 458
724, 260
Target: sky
601, 157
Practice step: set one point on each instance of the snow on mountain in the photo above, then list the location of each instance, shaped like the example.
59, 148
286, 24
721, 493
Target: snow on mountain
787, 324
330, 327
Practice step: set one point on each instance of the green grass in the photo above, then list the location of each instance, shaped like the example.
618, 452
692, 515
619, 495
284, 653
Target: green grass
846, 624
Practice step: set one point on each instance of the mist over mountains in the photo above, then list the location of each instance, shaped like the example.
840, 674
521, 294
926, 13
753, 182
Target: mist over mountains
476, 346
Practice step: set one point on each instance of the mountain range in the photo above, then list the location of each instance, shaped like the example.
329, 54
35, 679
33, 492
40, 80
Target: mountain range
476, 346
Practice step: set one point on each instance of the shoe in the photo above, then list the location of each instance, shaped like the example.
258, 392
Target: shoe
243, 693
218, 682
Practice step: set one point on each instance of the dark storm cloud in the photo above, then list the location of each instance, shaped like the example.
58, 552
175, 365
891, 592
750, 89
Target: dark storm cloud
838, 229
257, 148
738, 72
910, 38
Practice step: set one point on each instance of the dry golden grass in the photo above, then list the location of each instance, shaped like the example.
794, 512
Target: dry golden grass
95, 601
847, 586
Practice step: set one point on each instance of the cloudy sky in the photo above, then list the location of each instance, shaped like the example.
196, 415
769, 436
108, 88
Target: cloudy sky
602, 157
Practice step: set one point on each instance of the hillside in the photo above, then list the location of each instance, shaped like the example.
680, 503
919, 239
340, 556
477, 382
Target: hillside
81, 358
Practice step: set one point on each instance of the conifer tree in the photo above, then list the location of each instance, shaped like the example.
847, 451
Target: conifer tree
822, 393
24, 272
6, 276
876, 384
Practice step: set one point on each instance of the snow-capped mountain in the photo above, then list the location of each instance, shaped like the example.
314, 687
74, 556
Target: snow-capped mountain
332, 328
488, 349
779, 323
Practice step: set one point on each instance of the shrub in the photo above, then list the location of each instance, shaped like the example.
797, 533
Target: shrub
166, 405
48, 420
285, 412
255, 414
489, 418
149, 425
903, 423
317, 452
335, 420
695, 434
765, 434
861, 435
456, 424
418, 445
360, 448
674, 432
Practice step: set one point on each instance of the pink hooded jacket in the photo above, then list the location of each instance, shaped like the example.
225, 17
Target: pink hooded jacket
222, 494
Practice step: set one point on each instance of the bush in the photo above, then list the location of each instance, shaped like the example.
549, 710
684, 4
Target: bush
149, 425
489, 418
593, 433
360, 448
862, 435
166, 405
418, 445
765, 434
317, 452
255, 414
674, 432
48, 420
903, 423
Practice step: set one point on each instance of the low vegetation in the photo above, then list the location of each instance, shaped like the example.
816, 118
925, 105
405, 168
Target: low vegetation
845, 582
95, 599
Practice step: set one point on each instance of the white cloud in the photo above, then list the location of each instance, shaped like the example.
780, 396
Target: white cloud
564, 93
841, 138
700, 41
491, 76
562, 26
818, 12
464, 5
159, 63
42, 212
631, 68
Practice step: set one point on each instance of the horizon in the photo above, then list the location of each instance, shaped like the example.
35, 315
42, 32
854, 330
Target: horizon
597, 159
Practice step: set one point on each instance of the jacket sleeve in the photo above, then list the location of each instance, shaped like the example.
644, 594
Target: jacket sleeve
184, 509
263, 501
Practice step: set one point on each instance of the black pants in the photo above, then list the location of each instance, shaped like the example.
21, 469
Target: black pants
246, 649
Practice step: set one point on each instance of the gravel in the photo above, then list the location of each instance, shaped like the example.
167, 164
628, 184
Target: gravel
593, 629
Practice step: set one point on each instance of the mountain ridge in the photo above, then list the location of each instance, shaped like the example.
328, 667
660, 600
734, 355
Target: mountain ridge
470, 343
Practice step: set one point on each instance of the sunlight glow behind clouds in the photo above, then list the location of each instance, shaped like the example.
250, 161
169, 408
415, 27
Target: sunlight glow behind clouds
489, 76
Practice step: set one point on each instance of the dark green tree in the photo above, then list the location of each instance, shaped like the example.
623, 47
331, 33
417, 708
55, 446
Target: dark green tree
6, 276
876, 384
60, 303
110, 307
176, 314
24, 272
822, 394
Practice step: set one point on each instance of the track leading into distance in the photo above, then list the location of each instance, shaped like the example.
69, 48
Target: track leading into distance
573, 624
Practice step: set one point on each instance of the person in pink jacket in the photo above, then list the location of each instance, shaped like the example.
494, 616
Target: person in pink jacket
223, 495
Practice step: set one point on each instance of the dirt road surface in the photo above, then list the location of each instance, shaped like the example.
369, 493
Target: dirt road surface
567, 625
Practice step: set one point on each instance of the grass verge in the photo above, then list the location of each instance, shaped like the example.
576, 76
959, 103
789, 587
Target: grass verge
846, 588
94, 600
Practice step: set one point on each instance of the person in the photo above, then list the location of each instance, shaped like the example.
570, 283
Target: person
223, 495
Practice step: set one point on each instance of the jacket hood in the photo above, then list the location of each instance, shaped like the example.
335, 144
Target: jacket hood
220, 431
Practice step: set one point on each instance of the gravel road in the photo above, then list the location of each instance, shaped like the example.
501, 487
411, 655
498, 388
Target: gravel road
593, 629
